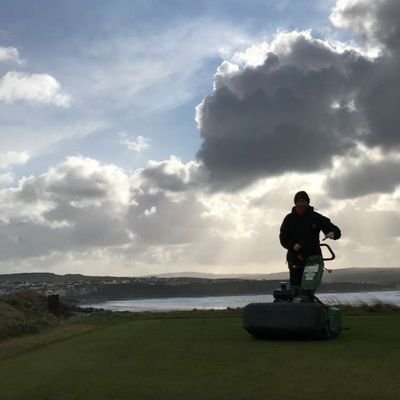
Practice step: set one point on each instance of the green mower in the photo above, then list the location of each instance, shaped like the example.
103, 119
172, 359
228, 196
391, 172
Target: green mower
296, 312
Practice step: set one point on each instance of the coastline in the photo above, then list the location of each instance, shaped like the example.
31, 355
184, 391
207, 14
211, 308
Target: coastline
238, 301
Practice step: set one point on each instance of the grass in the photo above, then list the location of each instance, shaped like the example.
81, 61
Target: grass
200, 355
24, 313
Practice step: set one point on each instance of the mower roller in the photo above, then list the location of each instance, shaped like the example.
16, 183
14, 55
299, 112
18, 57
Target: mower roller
296, 313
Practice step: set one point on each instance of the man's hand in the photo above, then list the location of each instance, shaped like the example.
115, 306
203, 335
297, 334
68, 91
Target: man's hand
296, 247
329, 235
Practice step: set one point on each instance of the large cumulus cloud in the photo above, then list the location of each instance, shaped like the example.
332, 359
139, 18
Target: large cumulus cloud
309, 102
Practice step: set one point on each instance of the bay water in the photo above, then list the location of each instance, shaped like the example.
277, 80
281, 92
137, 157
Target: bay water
224, 302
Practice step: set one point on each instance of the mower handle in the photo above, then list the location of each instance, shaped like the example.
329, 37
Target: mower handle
332, 257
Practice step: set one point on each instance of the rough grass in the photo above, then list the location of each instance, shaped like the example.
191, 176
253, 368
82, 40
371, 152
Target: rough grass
24, 313
204, 355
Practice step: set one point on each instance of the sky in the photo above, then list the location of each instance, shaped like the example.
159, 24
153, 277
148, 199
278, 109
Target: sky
145, 137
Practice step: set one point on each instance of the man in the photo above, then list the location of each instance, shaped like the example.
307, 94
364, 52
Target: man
299, 234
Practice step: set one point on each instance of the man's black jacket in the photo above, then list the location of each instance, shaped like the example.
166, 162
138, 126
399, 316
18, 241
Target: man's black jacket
304, 230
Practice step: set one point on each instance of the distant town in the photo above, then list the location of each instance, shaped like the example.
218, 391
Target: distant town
76, 287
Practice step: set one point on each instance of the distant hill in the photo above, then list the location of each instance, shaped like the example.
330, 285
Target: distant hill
360, 275
356, 275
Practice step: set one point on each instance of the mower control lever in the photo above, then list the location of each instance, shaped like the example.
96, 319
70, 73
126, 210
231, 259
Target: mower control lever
332, 257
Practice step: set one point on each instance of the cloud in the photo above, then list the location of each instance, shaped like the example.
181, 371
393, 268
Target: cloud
10, 158
76, 205
363, 175
280, 116
9, 54
40, 88
374, 22
304, 103
174, 175
77, 179
137, 144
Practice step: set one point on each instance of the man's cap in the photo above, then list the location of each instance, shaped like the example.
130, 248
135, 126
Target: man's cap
302, 195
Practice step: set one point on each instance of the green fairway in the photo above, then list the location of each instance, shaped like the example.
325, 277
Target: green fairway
205, 356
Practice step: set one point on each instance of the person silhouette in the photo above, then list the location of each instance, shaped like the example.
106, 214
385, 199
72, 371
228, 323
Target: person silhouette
300, 232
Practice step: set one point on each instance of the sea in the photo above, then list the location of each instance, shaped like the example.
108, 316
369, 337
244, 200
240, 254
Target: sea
225, 302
